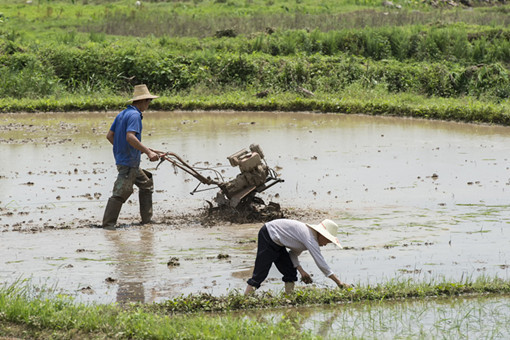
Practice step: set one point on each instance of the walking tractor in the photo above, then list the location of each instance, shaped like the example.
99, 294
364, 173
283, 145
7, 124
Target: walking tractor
239, 193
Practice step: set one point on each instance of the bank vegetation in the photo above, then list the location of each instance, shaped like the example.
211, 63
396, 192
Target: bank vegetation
440, 60
36, 313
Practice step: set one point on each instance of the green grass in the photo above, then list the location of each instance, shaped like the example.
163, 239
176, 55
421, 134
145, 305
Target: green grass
204, 18
58, 317
355, 56
34, 313
355, 102
392, 290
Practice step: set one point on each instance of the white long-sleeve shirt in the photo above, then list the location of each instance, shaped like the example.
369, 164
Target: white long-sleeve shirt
297, 237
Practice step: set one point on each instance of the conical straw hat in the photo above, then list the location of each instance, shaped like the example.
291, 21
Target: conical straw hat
328, 229
141, 92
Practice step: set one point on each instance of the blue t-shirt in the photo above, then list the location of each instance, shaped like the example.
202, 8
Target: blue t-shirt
128, 120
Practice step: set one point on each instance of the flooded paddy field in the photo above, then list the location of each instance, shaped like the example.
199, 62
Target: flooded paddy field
414, 199
453, 318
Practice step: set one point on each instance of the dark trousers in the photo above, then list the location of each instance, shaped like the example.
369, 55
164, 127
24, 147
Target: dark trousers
126, 178
268, 253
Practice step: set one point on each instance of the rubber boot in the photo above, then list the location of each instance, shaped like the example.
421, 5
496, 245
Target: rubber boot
289, 287
145, 198
111, 213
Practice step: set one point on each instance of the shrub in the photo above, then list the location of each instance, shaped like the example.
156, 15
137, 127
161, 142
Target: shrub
27, 78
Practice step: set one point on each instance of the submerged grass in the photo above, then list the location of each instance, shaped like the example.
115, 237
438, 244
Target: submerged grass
25, 310
442, 318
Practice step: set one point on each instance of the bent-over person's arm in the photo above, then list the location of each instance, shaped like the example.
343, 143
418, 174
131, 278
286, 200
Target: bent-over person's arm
338, 282
305, 277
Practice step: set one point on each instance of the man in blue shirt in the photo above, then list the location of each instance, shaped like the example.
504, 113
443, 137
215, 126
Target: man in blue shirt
125, 134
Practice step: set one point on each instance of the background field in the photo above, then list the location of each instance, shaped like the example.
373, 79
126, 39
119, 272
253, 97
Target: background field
433, 59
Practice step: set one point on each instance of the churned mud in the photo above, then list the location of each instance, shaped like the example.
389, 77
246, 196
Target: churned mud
414, 199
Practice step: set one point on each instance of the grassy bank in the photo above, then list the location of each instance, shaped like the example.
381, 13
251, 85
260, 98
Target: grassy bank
28, 314
39, 317
412, 59
371, 102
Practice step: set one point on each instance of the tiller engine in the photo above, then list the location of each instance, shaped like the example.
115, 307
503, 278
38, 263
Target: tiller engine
255, 177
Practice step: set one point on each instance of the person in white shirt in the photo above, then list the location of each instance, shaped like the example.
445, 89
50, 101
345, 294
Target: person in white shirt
276, 236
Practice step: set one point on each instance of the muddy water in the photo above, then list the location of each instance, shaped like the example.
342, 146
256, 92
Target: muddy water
415, 199
453, 318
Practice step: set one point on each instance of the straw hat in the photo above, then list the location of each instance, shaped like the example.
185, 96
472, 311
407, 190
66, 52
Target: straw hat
328, 229
141, 92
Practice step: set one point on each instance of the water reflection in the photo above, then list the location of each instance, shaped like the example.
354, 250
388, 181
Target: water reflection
133, 254
459, 318
327, 161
